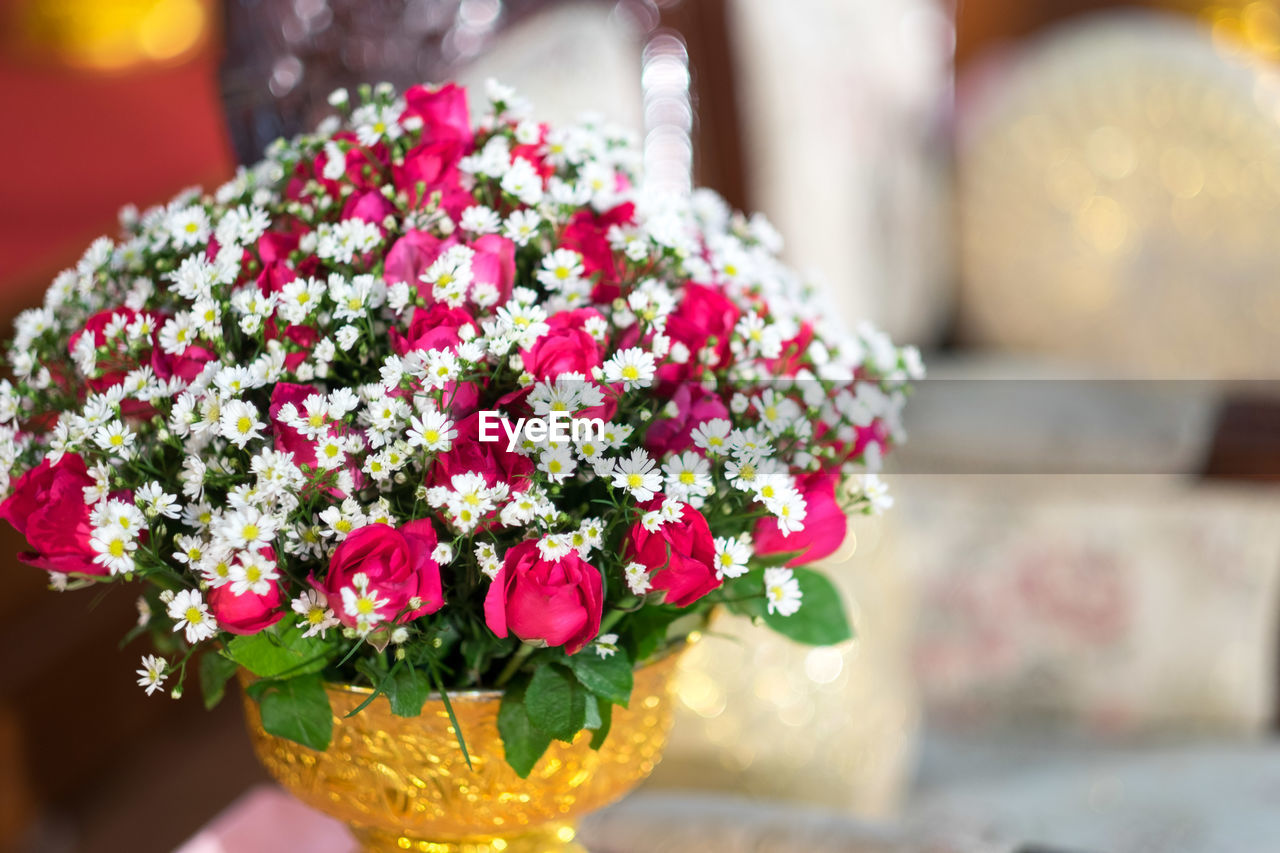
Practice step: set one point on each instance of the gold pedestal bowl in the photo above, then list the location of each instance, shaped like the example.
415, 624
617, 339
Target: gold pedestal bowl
403, 784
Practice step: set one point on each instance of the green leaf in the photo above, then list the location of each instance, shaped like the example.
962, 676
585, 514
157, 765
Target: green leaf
592, 719
744, 595
408, 690
556, 702
521, 741
647, 629
215, 671
821, 619
606, 720
448, 708
279, 651
772, 561
609, 678
298, 710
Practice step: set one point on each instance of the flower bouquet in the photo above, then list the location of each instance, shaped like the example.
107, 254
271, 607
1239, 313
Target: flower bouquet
420, 406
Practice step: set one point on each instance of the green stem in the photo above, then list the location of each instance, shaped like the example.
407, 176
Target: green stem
514, 664
611, 619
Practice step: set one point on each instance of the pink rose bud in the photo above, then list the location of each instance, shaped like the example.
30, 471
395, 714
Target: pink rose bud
556, 601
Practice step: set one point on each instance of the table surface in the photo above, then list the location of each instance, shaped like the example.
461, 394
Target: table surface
267, 820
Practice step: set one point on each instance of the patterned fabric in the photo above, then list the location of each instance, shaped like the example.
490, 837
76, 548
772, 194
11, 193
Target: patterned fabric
1109, 605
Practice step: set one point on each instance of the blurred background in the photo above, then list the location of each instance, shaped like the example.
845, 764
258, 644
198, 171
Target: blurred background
1067, 624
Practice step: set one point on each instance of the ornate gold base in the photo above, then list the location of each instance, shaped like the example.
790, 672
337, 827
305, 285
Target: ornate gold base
399, 781
550, 838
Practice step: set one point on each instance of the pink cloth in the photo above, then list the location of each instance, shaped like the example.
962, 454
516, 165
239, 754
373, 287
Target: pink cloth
267, 820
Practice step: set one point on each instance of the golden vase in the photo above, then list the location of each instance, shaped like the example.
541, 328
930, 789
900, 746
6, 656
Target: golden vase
402, 783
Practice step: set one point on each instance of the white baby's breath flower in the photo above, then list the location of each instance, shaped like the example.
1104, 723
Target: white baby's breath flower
115, 438
782, 591
876, 493
317, 615
238, 423
114, 548
560, 269
191, 615
248, 528
637, 578
189, 226
252, 572
479, 219
363, 604
153, 500
152, 674
688, 477
634, 368
433, 432
637, 474
789, 510
732, 556
606, 645
521, 226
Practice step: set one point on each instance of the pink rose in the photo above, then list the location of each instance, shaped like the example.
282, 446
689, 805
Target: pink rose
680, 555
276, 246
356, 168
96, 326
186, 365
399, 567
288, 439
432, 168
437, 327
588, 234
489, 459
410, 256
704, 312
825, 524
495, 263
300, 341
443, 112
249, 612
47, 507
694, 405
793, 353
565, 348
557, 602
274, 276
371, 206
